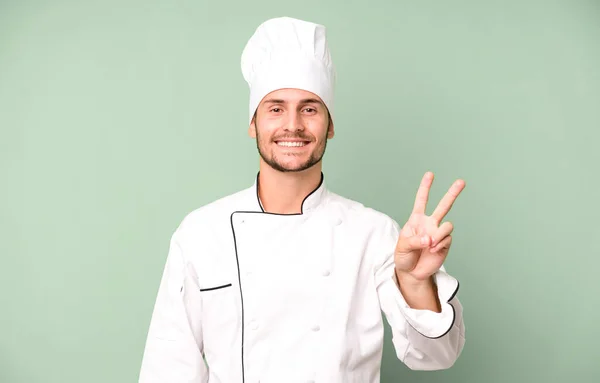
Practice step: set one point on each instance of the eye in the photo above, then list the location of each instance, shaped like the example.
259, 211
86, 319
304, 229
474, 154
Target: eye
310, 110
276, 110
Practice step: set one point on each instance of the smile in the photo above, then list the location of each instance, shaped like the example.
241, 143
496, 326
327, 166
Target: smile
291, 144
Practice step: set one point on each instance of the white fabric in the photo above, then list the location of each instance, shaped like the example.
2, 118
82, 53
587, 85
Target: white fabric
290, 298
288, 53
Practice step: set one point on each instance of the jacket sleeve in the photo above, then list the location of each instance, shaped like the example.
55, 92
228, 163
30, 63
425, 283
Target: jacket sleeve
423, 339
173, 351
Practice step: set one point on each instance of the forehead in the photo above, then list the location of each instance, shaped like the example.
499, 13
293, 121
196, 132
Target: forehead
291, 95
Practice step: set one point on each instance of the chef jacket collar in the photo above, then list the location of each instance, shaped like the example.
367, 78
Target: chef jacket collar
310, 202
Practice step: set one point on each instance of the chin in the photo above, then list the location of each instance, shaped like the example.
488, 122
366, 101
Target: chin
290, 163
297, 168
291, 167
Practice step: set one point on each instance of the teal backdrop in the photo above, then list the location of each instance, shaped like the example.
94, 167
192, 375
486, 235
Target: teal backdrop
117, 118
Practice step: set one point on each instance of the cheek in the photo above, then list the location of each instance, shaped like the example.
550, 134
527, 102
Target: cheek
265, 134
317, 129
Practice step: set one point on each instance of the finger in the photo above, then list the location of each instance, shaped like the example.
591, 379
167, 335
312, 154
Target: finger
443, 244
442, 232
423, 193
448, 200
416, 242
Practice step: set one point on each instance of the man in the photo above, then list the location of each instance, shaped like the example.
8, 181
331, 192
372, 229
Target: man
286, 281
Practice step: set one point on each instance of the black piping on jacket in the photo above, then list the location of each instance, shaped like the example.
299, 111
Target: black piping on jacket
262, 211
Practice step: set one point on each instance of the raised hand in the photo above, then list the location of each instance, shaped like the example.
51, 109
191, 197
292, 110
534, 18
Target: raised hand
424, 241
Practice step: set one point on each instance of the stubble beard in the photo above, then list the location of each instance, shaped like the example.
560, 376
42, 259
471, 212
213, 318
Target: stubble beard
315, 156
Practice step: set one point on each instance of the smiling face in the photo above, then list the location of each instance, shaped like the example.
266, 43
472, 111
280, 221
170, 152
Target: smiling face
291, 127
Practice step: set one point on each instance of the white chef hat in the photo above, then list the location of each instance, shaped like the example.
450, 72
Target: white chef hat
288, 53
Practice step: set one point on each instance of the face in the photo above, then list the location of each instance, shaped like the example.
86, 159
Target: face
291, 127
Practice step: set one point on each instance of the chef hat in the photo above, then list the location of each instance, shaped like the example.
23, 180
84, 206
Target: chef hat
288, 53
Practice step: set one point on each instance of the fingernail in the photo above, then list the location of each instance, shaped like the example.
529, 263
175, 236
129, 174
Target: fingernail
424, 240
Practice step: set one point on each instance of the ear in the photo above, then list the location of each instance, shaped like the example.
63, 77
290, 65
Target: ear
330, 129
252, 129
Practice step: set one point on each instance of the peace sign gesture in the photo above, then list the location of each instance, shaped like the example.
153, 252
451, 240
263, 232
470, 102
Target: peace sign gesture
424, 243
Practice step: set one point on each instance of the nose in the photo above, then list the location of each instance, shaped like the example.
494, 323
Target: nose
294, 123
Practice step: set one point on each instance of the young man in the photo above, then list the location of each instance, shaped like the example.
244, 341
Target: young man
286, 281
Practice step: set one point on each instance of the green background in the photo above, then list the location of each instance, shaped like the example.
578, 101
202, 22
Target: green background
118, 118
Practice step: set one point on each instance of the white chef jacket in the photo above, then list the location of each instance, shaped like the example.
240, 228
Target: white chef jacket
249, 296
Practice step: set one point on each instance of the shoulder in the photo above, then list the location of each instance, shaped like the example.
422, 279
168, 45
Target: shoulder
356, 212
375, 231
214, 214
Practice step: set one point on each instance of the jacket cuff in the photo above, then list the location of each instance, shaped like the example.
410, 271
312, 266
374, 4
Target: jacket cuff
428, 323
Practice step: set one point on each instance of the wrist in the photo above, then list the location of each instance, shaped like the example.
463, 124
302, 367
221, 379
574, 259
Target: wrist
407, 280
419, 293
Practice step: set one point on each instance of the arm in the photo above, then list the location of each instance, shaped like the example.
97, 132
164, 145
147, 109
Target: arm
420, 295
423, 338
173, 351
415, 292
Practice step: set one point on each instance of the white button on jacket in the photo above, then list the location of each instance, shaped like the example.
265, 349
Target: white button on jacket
290, 298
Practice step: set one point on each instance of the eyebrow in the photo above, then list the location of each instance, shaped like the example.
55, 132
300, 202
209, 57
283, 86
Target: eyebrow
303, 101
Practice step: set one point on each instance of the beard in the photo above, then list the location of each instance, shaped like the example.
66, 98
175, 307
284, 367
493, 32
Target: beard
276, 163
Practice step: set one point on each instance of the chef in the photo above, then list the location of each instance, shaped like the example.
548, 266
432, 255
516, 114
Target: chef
287, 281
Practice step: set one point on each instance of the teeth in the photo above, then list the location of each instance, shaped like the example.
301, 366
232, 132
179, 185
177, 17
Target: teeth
283, 143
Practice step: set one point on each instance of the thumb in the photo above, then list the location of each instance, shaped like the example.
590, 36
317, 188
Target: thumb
415, 242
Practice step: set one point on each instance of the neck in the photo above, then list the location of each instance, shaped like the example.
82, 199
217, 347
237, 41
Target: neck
283, 193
